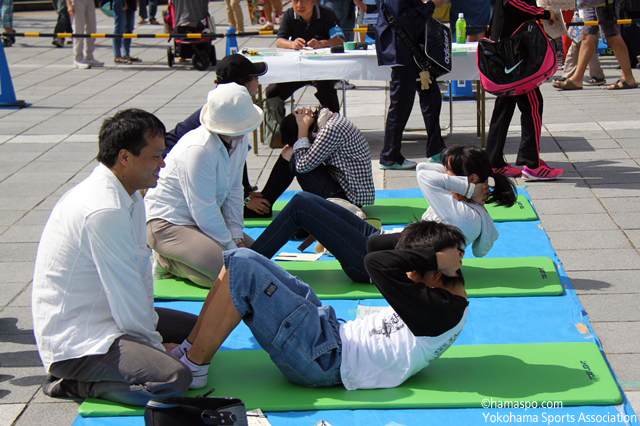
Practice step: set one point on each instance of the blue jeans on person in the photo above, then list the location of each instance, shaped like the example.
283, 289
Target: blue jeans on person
344, 234
287, 319
153, 9
124, 22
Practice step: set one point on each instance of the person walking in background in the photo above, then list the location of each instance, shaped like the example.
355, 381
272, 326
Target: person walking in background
153, 9
6, 11
234, 15
63, 25
269, 6
83, 13
125, 15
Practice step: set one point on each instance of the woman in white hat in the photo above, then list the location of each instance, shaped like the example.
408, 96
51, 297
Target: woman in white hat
195, 212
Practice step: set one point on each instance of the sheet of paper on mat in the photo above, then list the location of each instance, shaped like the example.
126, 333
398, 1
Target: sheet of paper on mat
300, 257
257, 418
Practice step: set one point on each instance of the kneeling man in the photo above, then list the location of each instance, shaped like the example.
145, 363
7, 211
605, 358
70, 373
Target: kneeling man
95, 325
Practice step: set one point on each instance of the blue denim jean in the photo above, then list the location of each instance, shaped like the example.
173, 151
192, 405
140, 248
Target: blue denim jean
153, 9
124, 22
300, 335
344, 234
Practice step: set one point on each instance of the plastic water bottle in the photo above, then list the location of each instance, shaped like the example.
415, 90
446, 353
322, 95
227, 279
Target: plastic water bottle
461, 29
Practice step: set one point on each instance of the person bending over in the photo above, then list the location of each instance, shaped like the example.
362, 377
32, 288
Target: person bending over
195, 213
93, 317
417, 272
345, 235
330, 158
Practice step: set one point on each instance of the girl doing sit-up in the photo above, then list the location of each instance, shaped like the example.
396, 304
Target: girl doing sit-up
345, 235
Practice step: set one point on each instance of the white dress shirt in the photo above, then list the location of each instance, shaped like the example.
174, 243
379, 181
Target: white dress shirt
201, 185
92, 281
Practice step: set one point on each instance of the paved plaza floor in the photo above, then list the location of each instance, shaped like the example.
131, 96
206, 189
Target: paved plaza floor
591, 214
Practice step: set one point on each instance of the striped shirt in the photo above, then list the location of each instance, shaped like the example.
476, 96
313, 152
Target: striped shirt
345, 152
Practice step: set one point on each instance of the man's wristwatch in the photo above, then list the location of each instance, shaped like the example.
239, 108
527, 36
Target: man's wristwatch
247, 200
237, 240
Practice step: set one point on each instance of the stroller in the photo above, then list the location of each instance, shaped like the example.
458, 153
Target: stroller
200, 50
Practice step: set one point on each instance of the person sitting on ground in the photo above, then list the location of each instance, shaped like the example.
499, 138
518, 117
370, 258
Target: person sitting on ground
417, 272
330, 158
195, 212
231, 69
345, 235
93, 317
447, 188
306, 24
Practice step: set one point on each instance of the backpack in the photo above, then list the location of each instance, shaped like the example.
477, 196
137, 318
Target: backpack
517, 64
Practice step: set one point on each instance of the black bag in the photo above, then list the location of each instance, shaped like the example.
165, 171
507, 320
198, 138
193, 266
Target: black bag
180, 411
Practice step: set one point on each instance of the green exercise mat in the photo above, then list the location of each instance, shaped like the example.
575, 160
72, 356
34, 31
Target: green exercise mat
485, 277
465, 376
406, 210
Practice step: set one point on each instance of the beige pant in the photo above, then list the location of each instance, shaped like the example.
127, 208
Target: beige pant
571, 62
186, 251
272, 6
234, 15
84, 23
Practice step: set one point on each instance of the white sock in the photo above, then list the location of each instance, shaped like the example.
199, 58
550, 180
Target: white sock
199, 372
179, 351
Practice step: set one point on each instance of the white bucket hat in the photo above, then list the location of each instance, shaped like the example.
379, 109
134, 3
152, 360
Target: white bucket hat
230, 111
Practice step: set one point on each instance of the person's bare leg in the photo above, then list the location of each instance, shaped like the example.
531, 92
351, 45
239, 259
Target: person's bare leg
205, 307
214, 324
587, 47
267, 12
622, 55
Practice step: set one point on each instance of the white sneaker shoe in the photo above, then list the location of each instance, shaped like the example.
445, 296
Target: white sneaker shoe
81, 65
94, 63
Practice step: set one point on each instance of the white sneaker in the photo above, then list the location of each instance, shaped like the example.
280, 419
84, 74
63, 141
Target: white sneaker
348, 86
94, 63
81, 65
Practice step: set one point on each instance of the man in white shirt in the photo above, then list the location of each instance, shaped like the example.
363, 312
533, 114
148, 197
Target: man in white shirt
95, 325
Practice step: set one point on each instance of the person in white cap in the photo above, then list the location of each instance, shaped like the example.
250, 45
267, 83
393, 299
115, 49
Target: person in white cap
195, 212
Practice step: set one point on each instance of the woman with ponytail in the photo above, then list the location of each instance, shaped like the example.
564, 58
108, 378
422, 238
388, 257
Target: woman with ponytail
457, 190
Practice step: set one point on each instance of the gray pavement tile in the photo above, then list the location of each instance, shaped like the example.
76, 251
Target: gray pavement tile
622, 204
14, 321
34, 217
22, 234
8, 291
48, 203
19, 350
17, 252
627, 221
609, 178
633, 143
24, 297
634, 398
16, 271
612, 307
19, 384
11, 189
587, 135
582, 145
10, 412
599, 260
9, 217
623, 134
615, 336
604, 282
634, 236
59, 413
569, 206
627, 368
610, 154
558, 189
619, 190
585, 239
34, 175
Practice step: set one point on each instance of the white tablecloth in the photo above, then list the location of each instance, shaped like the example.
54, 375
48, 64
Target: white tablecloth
321, 64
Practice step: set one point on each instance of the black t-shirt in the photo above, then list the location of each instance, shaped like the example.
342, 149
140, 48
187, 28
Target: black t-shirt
427, 311
293, 26
508, 15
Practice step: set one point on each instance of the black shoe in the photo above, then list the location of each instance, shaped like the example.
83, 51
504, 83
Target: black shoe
58, 42
59, 388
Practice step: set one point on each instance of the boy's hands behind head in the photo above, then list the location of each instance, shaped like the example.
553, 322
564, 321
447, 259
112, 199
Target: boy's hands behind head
304, 117
450, 261
481, 193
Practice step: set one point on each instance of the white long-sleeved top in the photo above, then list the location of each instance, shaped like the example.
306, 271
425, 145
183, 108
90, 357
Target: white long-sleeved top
472, 219
201, 185
92, 281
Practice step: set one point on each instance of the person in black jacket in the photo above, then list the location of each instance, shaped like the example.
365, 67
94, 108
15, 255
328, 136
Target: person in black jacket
508, 15
412, 15
417, 272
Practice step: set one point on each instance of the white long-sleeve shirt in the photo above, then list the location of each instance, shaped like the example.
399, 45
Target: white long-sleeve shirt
472, 219
92, 281
201, 185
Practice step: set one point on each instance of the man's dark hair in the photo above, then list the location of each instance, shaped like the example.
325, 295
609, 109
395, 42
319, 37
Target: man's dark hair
427, 233
127, 129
